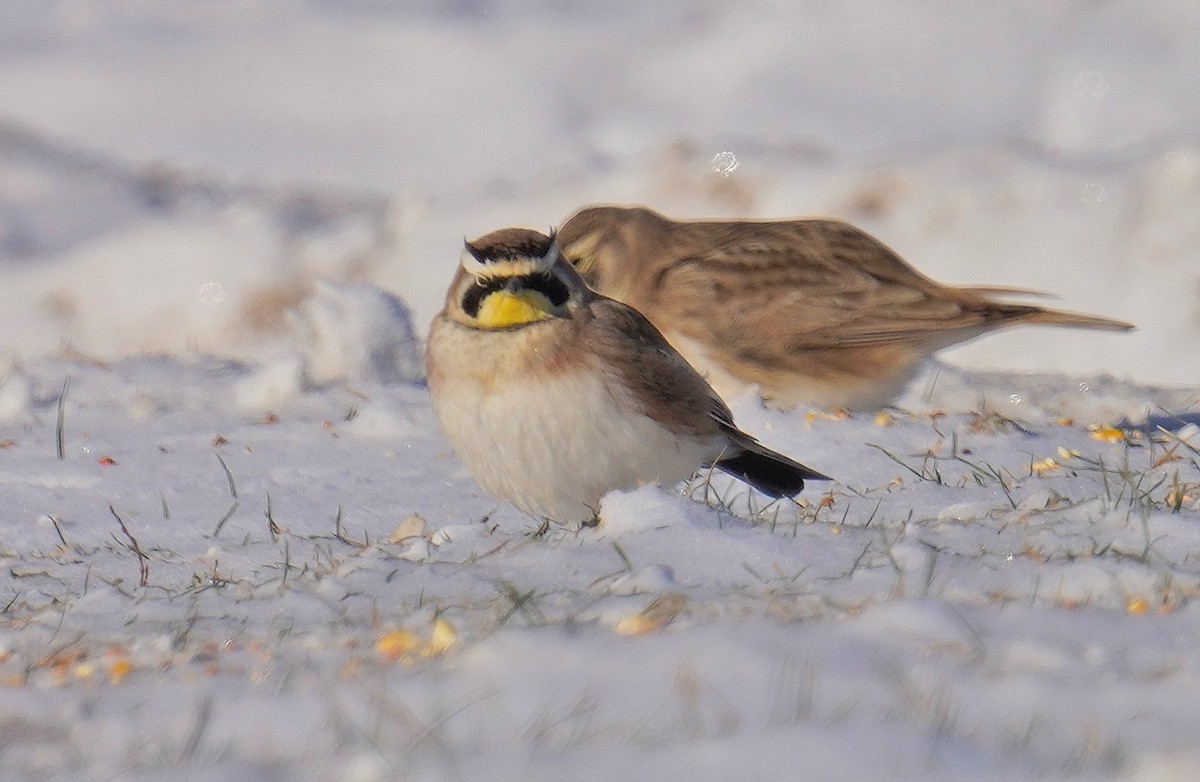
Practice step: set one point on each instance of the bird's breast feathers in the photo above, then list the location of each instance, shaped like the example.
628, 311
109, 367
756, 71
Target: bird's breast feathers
554, 443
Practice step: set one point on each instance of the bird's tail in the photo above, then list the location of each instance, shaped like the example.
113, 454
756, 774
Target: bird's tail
1009, 313
1075, 320
771, 473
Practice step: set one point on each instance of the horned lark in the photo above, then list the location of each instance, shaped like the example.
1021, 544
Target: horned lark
553, 395
811, 311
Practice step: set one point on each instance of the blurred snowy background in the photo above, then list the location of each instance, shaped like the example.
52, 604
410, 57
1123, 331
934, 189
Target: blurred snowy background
175, 176
274, 568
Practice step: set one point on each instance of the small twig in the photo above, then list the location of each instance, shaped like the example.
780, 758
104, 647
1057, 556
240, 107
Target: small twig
58, 529
228, 475
143, 560
341, 536
899, 461
873, 513
59, 437
272, 527
521, 601
228, 515
624, 557
858, 560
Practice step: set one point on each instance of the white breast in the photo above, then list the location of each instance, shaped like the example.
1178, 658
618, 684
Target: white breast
553, 445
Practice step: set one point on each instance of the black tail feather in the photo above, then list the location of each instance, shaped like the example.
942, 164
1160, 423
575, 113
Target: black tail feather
771, 473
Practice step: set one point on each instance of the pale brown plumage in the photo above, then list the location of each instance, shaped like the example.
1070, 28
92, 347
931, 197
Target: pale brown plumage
813, 312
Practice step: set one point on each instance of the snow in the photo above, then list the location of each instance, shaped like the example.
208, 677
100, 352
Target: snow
224, 228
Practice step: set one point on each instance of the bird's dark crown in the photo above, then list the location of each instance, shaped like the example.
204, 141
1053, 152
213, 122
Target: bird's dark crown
510, 244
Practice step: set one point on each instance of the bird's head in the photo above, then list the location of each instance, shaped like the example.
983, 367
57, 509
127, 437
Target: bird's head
512, 278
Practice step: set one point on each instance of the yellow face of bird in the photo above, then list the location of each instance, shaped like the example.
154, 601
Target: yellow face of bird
519, 302
510, 280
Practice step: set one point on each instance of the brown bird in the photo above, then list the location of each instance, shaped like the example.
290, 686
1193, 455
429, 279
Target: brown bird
553, 395
812, 312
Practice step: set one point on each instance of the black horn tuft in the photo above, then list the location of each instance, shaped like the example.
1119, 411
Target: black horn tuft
476, 253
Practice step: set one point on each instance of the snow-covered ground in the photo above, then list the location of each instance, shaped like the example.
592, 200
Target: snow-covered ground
235, 545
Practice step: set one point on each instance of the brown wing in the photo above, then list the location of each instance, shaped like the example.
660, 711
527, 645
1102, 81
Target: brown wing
662, 381
809, 285
657, 376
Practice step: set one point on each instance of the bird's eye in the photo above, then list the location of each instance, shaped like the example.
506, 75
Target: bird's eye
550, 286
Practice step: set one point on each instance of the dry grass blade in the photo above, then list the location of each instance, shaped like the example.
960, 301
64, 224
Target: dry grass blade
143, 560
59, 436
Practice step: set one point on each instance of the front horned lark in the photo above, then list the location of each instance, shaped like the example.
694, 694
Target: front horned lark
813, 312
553, 395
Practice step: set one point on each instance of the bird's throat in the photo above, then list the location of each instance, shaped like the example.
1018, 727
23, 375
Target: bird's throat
508, 309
